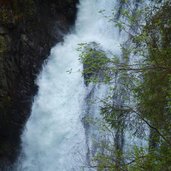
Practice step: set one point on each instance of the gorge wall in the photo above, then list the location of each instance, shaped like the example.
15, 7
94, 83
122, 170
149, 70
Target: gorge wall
28, 30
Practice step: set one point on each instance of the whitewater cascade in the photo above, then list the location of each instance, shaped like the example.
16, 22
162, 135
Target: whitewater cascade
54, 137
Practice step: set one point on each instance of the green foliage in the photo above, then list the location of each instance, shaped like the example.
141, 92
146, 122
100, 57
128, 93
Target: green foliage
155, 160
95, 63
143, 88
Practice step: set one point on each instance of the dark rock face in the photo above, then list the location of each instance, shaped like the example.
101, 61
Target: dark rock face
28, 30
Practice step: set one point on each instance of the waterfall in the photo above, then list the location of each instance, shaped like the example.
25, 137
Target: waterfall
54, 138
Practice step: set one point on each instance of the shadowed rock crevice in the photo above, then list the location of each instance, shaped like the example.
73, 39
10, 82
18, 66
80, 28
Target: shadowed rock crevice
28, 30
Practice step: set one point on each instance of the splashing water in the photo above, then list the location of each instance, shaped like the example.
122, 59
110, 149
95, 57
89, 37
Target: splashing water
54, 138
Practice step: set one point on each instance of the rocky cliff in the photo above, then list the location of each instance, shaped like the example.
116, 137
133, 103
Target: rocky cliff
28, 30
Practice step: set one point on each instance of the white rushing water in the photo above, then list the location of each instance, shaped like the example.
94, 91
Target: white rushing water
54, 138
